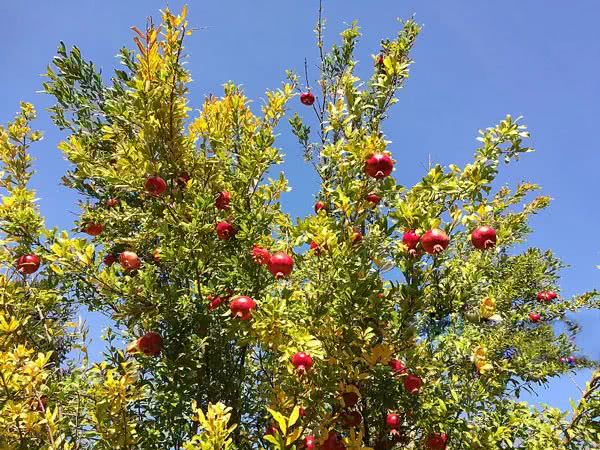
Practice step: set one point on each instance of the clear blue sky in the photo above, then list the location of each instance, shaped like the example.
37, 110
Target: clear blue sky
475, 62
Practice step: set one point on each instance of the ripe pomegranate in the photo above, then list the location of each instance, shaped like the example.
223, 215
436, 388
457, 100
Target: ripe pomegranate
410, 238
551, 295
333, 442
307, 98
109, 259
302, 411
223, 200
380, 60
260, 255
93, 229
302, 362
436, 441
280, 264
351, 419
112, 202
150, 344
435, 241
397, 366
309, 443
373, 198
379, 165
315, 248
534, 317
28, 264
225, 230
241, 307
483, 237
412, 383
155, 186
271, 430
320, 206
350, 399
392, 421
129, 260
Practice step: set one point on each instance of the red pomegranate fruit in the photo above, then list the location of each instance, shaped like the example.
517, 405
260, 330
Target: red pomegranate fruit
183, 179
214, 302
241, 307
155, 186
129, 260
436, 441
392, 421
357, 237
483, 237
397, 366
534, 317
320, 206
112, 202
93, 229
302, 361
150, 344
379, 165
373, 198
307, 98
435, 241
412, 384
280, 264
223, 200
260, 255
225, 230
28, 264
411, 239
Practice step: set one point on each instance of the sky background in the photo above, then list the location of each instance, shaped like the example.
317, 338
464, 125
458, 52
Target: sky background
475, 62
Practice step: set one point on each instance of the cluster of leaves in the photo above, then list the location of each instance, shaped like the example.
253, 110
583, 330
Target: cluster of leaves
356, 301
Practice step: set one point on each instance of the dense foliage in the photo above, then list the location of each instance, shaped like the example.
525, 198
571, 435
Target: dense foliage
393, 317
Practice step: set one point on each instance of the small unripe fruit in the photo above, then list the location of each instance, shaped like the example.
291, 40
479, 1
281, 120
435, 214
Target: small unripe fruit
483, 237
534, 317
350, 399
397, 366
351, 419
307, 98
155, 186
112, 202
412, 384
241, 307
435, 241
373, 198
392, 421
551, 295
271, 430
150, 344
281, 264
28, 264
129, 260
225, 230
93, 229
320, 206
223, 200
379, 165
215, 302
109, 259
301, 411
302, 362
436, 441
260, 255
